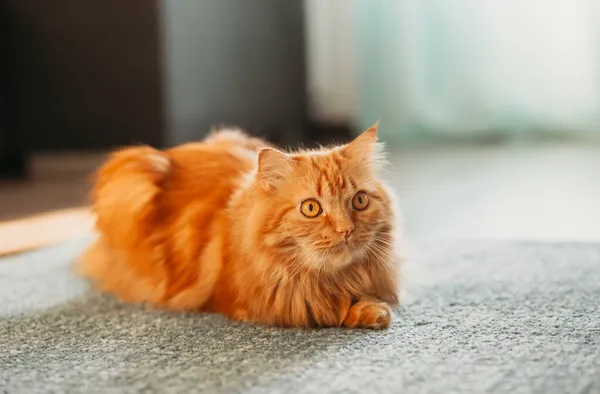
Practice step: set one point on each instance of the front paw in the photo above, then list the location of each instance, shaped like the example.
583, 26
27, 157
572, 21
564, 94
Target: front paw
369, 313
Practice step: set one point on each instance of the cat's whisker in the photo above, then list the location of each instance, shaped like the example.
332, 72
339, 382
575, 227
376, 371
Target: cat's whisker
380, 238
375, 252
381, 252
383, 242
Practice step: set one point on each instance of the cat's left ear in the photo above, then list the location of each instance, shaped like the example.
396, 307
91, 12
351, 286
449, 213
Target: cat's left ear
365, 146
273, 167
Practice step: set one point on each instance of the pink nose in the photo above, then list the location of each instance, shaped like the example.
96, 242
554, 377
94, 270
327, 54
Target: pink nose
345, 231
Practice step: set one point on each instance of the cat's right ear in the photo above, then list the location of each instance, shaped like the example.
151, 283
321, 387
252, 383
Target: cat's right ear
273, 167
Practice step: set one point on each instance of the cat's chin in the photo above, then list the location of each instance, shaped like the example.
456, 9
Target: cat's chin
343, 255
336, 257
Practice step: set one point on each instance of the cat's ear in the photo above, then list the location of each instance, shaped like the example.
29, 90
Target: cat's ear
365, 146
273, 167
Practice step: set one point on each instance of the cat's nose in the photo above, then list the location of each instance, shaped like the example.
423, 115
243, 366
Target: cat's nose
345, 231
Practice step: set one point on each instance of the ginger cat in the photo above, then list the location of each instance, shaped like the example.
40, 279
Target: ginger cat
233, 226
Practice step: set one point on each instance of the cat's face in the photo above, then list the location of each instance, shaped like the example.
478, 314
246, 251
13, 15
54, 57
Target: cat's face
326, 208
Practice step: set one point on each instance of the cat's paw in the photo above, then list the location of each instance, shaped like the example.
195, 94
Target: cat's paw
368, 313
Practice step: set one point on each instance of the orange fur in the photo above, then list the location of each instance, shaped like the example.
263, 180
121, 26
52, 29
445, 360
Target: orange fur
216, 226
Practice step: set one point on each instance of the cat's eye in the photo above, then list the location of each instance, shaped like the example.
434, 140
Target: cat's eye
360, 201
311, 208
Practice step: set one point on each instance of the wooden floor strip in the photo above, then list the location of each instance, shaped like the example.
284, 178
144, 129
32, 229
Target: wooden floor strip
47, 229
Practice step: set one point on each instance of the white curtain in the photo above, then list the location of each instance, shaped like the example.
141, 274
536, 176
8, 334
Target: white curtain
477, 66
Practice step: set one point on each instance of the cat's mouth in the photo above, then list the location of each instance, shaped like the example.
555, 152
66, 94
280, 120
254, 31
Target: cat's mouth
342, 251
347, 247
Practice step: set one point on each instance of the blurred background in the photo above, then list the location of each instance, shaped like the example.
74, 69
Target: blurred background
490, 109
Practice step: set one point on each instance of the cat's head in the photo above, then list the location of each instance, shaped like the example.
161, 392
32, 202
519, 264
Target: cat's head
327, 208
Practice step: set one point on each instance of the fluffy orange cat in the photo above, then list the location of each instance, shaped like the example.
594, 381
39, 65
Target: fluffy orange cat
233, 226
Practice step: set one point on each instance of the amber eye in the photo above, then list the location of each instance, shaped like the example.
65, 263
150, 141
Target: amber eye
311, 208
360, 201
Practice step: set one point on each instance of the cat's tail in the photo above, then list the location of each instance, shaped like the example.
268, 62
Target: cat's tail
125, 196
124, 260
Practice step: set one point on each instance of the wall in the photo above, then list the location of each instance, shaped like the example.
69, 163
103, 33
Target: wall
331, 52
233, 62
83, 75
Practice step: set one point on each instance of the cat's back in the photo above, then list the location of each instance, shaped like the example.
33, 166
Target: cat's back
204, 171
140, 190
203, 175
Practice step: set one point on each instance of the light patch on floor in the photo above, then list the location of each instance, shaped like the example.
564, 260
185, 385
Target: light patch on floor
544, 192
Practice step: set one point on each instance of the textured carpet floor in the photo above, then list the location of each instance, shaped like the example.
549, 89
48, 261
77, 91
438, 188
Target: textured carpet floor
478, 317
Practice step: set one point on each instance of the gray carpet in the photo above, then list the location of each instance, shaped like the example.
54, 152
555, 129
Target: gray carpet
478, 317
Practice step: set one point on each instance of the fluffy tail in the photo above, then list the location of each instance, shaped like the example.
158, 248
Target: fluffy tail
124, 260
125, 196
